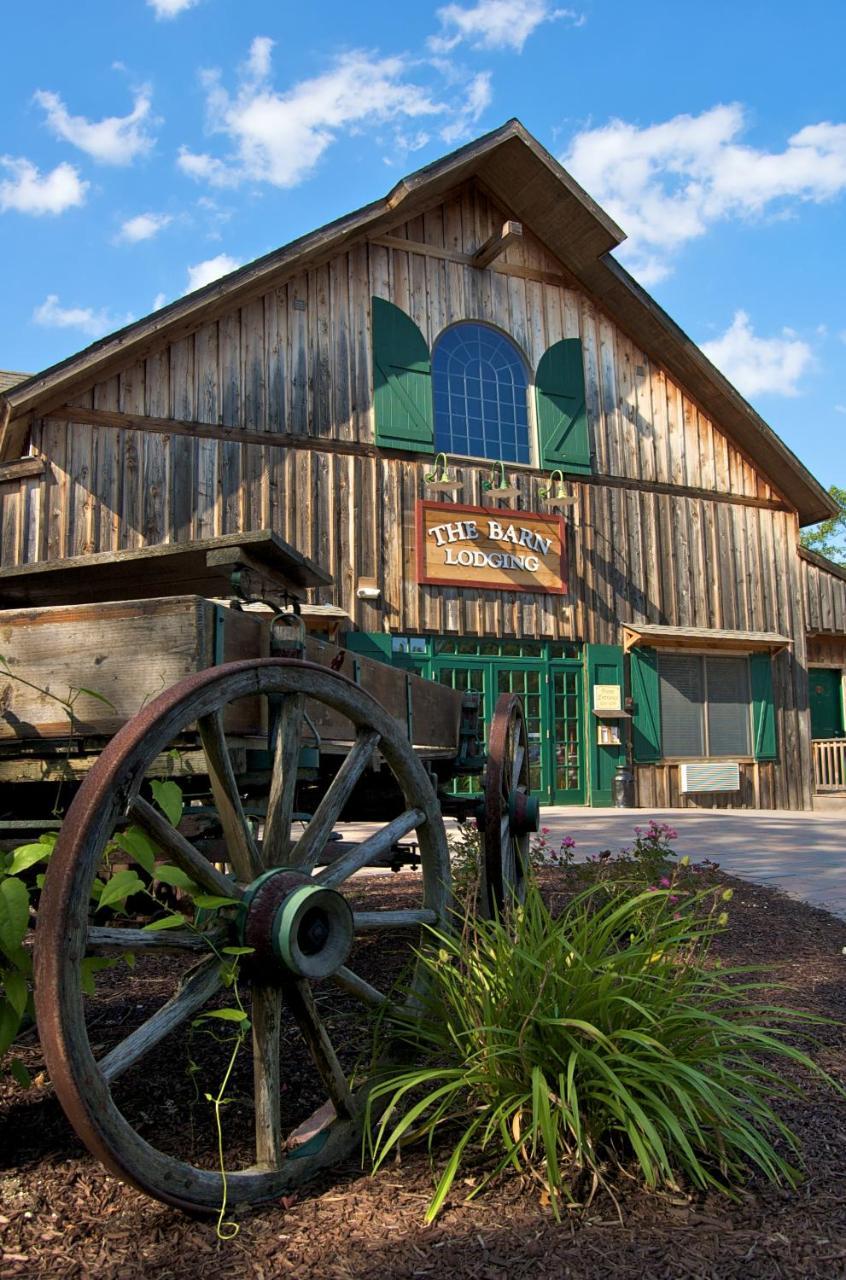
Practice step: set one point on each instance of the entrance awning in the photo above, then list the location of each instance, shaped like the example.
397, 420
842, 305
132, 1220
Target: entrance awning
710, 638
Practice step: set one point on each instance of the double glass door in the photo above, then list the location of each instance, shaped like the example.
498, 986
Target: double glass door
552, 701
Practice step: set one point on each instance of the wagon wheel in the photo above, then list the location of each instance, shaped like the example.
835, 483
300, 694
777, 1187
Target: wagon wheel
510, 811
298, 920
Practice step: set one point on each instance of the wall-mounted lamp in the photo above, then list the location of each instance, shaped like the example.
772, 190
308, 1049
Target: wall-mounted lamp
498, 486
368, 589
557, 492
439, 479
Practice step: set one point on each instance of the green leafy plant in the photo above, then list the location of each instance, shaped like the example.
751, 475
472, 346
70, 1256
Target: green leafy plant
829, 537
599, 1041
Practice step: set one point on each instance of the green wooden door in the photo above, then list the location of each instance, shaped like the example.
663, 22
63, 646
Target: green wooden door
566, 735
529, 681
826, 700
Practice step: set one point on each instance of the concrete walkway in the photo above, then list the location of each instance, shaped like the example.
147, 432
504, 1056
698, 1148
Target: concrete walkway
802, 853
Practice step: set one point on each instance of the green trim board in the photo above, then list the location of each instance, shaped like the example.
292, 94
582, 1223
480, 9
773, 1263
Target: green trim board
604, 667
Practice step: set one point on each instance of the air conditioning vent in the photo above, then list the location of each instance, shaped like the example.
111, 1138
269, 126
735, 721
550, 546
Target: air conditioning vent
709, 777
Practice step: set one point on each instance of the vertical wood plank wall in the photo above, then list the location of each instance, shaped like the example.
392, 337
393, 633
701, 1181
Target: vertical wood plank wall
297, 359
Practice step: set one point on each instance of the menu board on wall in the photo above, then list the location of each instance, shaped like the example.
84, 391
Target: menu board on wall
500, 550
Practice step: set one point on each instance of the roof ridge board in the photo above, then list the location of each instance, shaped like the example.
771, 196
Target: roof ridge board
250, 273
34, 394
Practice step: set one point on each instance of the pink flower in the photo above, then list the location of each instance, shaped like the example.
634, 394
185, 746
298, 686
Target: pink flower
664, 882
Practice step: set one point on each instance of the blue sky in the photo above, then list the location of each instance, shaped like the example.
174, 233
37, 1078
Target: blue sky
148, 145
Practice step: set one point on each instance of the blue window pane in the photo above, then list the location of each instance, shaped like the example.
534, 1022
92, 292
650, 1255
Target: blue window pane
480, 389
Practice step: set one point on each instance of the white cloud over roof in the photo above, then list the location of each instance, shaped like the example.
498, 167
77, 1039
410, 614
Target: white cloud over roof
114, 140
494, 24
760, 365
668, 183
27, 190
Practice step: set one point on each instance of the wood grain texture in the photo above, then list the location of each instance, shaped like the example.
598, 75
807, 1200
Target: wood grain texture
676, 526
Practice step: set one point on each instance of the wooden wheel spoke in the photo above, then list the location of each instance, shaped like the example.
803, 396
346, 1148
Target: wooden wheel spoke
300, 1000
182, 852
267, 1023
198, 987
276, 842
367, 921
517, 766
310, 846
105, 941
356, 986
240, 844
373, 847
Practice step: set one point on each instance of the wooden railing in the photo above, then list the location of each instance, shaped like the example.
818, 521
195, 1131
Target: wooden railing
830, 764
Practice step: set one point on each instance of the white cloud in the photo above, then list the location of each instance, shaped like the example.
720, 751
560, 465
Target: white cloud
668, 183
477, 99
495, 24
53, 315
756, 365
204, 272
840, 408
143, 227
170, 8
279, 137
27, 190
113, 140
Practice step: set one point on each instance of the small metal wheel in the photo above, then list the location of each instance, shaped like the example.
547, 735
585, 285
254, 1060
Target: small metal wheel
511, 812
302, 1080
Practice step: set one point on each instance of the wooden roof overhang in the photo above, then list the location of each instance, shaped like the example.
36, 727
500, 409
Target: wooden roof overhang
531, 185
823, 562
267, 568
711, 638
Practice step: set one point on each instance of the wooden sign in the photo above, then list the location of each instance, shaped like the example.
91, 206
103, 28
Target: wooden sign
500, 550
607, 697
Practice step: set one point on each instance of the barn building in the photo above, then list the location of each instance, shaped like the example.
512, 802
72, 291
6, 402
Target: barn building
520, 473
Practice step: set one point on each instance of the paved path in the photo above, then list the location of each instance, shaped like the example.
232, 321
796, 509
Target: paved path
802, 853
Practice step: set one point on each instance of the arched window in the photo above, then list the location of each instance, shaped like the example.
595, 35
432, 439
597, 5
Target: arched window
479, 386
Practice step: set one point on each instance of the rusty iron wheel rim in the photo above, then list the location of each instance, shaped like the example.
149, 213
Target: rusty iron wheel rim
61, 935
506, 851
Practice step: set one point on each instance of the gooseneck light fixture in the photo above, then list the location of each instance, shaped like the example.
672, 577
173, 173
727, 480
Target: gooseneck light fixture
557, 492
438, 480
498, 486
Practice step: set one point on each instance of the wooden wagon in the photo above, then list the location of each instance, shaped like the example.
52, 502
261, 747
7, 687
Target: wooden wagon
192, 665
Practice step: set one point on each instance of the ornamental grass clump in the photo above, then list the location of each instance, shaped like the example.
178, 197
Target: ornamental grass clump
596, 1044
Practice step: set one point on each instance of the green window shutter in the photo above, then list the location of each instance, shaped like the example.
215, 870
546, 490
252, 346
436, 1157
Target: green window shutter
646, 718
563, 433
402, 381
763, 706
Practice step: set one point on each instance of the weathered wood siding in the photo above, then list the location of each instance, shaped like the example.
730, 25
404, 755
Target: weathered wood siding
824, 595
642, 546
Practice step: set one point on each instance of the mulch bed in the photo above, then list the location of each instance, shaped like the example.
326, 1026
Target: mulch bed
62, 1216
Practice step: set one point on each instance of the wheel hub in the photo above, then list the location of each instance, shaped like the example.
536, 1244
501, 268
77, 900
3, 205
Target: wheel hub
523, 813
294, 923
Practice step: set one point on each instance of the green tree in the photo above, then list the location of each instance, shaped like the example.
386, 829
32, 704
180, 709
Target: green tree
829, 537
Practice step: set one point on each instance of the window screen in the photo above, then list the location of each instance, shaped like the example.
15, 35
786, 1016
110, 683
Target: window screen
479, 387
681, 705
728, 706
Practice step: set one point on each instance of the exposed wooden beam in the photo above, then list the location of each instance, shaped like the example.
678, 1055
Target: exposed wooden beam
496, 244
111, 418
22, 468
468, 260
